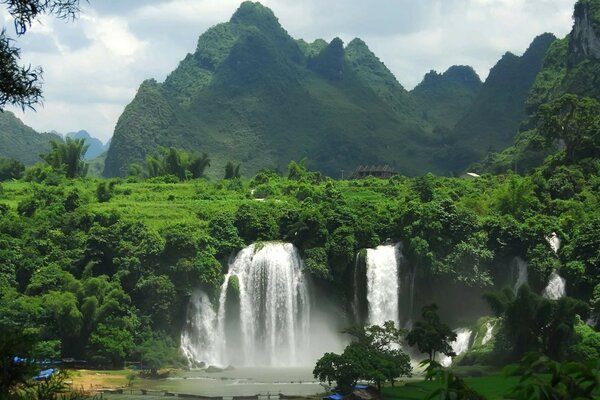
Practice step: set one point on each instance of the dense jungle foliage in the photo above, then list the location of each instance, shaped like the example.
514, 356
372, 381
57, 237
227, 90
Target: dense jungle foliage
102, 270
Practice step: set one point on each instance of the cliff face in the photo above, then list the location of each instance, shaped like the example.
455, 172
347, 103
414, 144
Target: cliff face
585, 38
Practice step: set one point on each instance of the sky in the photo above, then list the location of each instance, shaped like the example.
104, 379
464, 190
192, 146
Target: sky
94, 64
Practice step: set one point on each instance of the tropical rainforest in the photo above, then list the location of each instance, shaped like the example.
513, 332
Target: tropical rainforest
240, 145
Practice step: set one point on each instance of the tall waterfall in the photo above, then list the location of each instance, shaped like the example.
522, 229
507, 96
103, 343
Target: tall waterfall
263, 312
520, 271
383, 284
459, 346
556, 287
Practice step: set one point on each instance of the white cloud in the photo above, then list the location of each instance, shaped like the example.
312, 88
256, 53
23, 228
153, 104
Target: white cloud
94, 65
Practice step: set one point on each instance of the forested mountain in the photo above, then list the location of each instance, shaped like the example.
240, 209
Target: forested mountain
251, 94
571, 65
494, 119
445, 98
21, 142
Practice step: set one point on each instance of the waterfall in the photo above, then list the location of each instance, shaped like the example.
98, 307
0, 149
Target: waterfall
554, 242
200, 341
263, 319
459, 346
520, 271
489, 331
383, 284
556, 287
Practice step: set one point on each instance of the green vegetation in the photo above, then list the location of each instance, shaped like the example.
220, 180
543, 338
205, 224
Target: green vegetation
20, 142
494, 387
494, 119
373, 356
430, 335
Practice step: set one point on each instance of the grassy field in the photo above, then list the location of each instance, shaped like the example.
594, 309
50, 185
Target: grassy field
492, 387
160, 204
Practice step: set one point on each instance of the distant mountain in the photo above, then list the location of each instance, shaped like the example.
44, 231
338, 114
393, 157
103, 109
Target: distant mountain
493, 121
253, 95
445, 98
96, 147
21, 142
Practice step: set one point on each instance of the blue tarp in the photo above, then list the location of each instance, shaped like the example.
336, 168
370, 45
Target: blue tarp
335, 396
361, 386
45, 374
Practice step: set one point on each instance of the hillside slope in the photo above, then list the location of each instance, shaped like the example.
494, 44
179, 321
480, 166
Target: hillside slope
253, 95
21, 142
493, 121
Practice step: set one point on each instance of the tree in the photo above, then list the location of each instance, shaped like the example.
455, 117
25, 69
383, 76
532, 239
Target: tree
15, 351
198, 164
10, 169
232, 171
21, 85
373, 355
110, 344
155, 354
534, 323
68, 157
574, 120
430, 335
171, 161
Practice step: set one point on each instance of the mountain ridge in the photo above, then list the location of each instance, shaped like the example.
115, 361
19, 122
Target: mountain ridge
252, 94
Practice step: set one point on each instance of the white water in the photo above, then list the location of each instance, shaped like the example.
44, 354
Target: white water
459, 346
489, 331
272, 322
521, 273
554, 242
556, 287
202, 344
383, 285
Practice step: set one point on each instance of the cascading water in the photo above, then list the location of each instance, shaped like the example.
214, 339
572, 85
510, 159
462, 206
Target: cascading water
271, 314
554, 242
489, 332
459, 346
383, 284
200, 342
520, 268
556, 287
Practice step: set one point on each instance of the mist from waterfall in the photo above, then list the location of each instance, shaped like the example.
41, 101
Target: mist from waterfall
264, 314
556, 287
383, 284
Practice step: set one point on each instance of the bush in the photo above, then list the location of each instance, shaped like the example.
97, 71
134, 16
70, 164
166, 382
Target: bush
105, 190
10, 169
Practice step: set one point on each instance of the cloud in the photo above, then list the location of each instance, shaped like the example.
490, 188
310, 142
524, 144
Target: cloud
94, 65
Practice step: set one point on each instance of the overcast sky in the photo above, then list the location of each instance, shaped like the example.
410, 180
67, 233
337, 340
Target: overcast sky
94, 65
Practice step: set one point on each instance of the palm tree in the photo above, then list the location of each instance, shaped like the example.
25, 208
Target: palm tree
68, 157
197, 164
